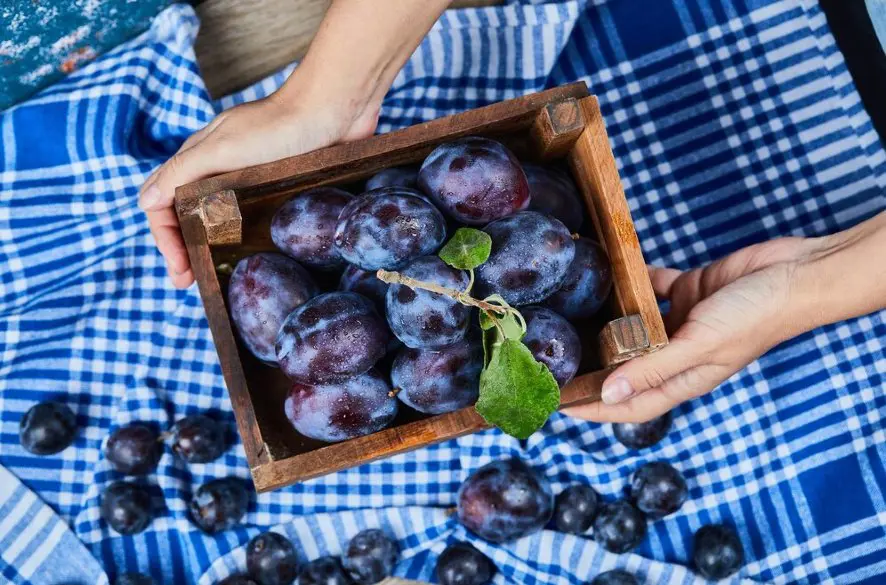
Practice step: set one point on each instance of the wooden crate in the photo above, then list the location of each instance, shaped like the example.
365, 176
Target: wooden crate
226, 217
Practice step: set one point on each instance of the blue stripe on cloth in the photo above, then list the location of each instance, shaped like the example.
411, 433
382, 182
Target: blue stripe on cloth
732, 121
36, 546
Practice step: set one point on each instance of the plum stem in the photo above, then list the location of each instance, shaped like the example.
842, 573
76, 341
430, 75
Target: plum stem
460, 296
470, 282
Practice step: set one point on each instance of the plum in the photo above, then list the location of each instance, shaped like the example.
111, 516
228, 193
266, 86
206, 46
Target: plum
587, 284
553, 342
530, 259
47, 428
428, 320
387, 228
553, 193
264, 289
331, 338
304, 226
341, 410
504, 501
474, 180
438, 381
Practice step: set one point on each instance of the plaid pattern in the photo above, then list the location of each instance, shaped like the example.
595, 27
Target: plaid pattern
733, 121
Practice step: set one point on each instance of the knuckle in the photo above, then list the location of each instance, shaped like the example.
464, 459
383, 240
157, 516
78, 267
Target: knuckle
652, 377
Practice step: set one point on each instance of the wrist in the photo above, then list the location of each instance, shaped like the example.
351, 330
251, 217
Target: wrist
841, 276
346, 107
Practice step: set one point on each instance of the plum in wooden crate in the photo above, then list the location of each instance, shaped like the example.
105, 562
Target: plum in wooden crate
229, 217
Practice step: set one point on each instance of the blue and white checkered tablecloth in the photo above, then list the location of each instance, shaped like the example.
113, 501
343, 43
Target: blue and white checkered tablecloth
733, 122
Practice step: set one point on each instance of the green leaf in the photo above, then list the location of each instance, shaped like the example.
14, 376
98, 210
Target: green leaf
467, 249
517, 393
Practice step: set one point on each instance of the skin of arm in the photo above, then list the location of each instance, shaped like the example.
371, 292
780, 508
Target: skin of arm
333, 96
728, 314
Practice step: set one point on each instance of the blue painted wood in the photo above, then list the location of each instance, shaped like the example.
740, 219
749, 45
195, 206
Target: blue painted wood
40, 40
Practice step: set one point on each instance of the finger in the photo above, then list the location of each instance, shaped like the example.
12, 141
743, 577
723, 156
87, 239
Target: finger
663, 280
651, 370
205, 159
656, 401
639, 409
181, 280
192, 141
168, 237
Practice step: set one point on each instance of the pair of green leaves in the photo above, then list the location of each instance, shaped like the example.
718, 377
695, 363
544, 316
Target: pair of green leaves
517, 393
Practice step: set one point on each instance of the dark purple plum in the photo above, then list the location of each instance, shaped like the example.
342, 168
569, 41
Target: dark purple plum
616, 577
575, 509
342, 410
366, 283
134, 579
264, 289
394, 177
134, 449
553, 342
531, 255
588, 282
370, 557
304, 226
462, 564
331, 338
475, 180
47, 428
619, 527
126, 507
323, 571
387, 228
438, 381
717, 551
219, 504
197, 439
504, 501
553, 193
642, 435
427, 320
271, 560
658, 489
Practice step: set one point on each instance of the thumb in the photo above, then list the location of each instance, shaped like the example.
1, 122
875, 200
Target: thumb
650, 371
201, 160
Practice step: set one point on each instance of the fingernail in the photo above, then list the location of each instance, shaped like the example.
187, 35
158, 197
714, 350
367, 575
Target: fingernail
617, 390
149, 198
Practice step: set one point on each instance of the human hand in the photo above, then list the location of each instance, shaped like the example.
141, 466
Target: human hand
333, 96
721, 318
253, 133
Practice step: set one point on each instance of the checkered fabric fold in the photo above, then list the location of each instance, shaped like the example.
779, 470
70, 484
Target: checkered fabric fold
733, 122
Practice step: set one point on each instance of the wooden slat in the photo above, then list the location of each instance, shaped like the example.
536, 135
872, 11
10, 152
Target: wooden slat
593, 166
355, 160
222, 335
243, 41
402, 439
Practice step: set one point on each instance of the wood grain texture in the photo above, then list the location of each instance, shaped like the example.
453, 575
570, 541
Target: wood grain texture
392, 441
623, 339
594, 169
221, 218
277, 454
202, 265
243, 41
556, 128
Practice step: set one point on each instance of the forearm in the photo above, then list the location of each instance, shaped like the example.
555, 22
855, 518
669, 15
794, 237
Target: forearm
844, 276
359, 49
